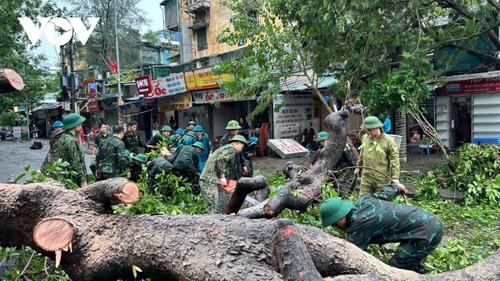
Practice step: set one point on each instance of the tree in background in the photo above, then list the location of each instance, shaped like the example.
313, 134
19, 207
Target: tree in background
102, 41
365, 39
15, 50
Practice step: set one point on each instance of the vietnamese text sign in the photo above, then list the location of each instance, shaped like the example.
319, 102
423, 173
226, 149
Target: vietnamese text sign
144, 85
287, 148
16, 130
168, 86
295, 111
203, 78
485, 85
175, 103
220, 95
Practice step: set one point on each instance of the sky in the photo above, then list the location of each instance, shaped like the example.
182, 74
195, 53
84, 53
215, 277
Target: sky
150, 7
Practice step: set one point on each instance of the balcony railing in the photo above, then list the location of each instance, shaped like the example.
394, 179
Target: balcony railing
193, 5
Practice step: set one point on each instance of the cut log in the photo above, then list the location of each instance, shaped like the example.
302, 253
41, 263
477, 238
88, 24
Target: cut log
243, 188
10, 81
53, 234
187, 247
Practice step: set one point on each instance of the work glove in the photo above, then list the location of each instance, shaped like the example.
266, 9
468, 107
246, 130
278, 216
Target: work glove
400, 188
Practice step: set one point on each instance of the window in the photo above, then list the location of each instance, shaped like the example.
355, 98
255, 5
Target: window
201, 35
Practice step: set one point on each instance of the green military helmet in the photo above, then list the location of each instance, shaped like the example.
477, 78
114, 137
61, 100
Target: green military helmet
371, 122
179, 131
72, 120
166, 128
140, 158
239, 138
198, 128
233, 125
332, 210
192, 122
186, 140
199, 145
322, 136
191, 134
127, 153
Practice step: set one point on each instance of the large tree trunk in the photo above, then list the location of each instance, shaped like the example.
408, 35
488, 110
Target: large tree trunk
101, 246
306, 187
401, 130
10, 81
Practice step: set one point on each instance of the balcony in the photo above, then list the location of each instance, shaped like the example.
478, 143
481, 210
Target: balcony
194, 5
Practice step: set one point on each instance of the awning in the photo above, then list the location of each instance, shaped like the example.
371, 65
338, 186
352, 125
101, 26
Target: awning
482, 75
300, 82
128, 105
47, 106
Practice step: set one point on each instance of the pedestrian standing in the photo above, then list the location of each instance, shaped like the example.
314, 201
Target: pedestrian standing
379, 153
308, 136
217, 172
69, 149
103, 134
205, 140
111, 159
56, 134
131, 139
373, 219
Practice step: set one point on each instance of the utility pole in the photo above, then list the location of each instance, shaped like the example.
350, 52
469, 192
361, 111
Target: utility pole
72, 76
120, 115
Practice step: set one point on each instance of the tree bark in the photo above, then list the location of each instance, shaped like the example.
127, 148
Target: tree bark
188, 247
306, 187
243, 188
10, 81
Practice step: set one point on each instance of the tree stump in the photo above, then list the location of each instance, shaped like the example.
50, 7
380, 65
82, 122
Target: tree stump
10, 81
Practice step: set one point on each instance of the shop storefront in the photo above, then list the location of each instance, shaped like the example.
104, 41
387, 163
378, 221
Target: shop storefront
467, 107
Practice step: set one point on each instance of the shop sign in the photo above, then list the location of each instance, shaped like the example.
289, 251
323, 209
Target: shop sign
294, 111
90, 88
287, 148
175, 103
144, 85
474, 86
203, 78
16, 130
220, 95
93, 106
168, 86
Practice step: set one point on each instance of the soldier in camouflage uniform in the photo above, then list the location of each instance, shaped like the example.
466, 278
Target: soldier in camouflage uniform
54, 138
111, 158
131, 139
190, 127
323, 141
103, 134
176, 137
217, 171
186, 164
136, 166
378, 151
373, 219
68, 149
162, 136
154, 169
233, 128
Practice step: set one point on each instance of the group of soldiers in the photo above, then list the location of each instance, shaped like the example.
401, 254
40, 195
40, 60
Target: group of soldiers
188, 153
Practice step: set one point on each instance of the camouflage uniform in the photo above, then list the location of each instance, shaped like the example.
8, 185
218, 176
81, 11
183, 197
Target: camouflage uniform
132, 142
381, 154
68, 149
218, 166
156, 139
155, 168
374, 220
135, 170
51, 158
111, 158
186, 164
224, 140
99, 139
205, 140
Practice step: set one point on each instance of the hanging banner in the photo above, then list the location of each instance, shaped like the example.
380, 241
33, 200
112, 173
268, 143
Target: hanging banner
93, 106
168, 86
295, 111
175, 103
203, 78
219, 95
144, 85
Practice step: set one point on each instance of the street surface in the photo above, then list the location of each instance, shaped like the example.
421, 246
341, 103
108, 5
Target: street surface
16, 155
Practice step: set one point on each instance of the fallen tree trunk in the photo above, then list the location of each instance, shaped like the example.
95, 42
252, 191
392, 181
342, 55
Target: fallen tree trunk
103, 246
307, 184
10, 81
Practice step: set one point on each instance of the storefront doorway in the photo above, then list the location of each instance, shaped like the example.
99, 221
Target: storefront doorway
462, 120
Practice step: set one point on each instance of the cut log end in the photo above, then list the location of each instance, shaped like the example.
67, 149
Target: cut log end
54, 234
129, 193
